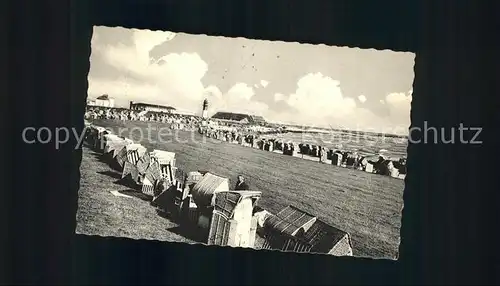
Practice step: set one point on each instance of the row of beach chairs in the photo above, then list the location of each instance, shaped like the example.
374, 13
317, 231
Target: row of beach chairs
202, 201
383, 166
199, 201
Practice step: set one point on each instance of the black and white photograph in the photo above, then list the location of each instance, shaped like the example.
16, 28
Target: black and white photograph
245, 143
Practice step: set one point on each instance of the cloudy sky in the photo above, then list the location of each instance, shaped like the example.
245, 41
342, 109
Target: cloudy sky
284, 82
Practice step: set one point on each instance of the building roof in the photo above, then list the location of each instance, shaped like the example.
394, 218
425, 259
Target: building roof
289, 221
141, 104
258, 119
184, 112
103, 97
238, 117
229, 116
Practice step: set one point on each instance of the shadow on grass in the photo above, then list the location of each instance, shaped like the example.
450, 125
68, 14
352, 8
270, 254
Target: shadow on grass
102, 157
126, 182
132, 190
95, 153
114, 175
136, 194
189, 231
192, 233
106, 158
88, 144
166, 215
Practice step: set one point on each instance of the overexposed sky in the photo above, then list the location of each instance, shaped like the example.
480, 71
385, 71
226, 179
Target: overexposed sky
362, 89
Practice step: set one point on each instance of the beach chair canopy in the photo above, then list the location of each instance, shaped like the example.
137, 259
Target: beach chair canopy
163, 157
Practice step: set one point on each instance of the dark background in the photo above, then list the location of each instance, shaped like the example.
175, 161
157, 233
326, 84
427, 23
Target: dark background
449, 219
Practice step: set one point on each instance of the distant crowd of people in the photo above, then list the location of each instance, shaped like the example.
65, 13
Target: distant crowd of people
245, 135
212, 128
380, 165
177, 121
231, 135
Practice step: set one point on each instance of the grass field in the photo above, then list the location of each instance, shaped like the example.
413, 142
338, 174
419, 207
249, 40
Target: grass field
368, 206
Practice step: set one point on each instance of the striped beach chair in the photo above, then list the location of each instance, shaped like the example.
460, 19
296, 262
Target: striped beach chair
143, 163
219, 230
130, 169
120, 146
133, 156
121, 157
94, 138
167, 172
193, 215
109, 142
166, 162
152, 173
275, 241
114, 142
100, 142
180, 197
190, 212
134, 152
148, 187
296, 245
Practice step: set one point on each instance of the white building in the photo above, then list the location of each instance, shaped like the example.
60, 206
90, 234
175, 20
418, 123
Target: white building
103, 100
139, 106
183, 112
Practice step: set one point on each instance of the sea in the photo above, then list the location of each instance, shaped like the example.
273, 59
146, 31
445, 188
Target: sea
369, 145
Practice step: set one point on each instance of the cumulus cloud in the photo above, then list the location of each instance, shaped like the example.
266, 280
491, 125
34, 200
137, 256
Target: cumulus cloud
399, 105
146, 40
178, 75
238, 99
319, 100
123, 88
213, 92
399, 99
318, 96
279, 97
173, 79
176, 79
240, 91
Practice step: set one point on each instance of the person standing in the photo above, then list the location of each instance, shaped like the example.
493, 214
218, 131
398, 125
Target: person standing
241, 185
